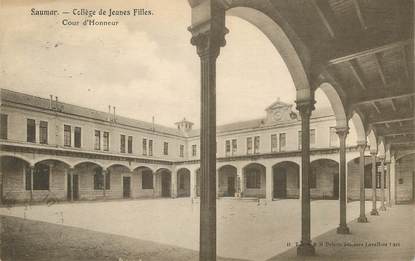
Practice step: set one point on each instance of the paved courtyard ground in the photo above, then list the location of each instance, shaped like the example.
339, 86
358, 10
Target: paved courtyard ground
160, 228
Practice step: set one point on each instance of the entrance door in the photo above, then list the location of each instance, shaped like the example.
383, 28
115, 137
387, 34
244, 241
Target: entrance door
75, 187
126, 187
335, 186
231, 186
280, 183
165, 185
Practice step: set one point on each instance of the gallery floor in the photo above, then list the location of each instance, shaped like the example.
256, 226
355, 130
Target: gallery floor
167, 229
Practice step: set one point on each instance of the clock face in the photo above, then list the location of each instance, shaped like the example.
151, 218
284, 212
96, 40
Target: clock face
277, 115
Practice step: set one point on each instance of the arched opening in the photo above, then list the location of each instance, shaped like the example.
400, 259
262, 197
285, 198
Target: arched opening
146, 181
12, 178
114, 173
183, 183
286, 177
254, 180
227, 181
87, 181
405, 179
324, 179
163, 183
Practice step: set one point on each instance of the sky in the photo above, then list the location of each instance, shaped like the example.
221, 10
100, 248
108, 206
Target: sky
144, 67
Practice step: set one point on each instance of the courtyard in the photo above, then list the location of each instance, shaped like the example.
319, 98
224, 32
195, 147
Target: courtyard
247, 229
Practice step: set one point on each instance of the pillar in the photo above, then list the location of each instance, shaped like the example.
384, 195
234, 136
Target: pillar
70, 173
193, 184
174, 184
382, 185
362, 217
388, 180
374, 211
104, 173
268, 183
154, 184
342, 133
392, 174
208, 33
31, 168
305, 248
240, 181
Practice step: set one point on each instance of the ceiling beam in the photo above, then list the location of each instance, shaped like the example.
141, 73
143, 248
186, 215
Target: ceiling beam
323, 18
359, 14
380, 69
399, 133
405, 62
368, 51
383, 98
393, 105
354, 67
392, 120
376, 107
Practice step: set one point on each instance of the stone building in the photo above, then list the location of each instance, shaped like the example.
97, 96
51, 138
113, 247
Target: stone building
51, 150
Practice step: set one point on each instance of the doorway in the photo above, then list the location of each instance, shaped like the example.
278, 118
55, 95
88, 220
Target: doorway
165, 185
280, 183
126, 187
75, 187
231, 186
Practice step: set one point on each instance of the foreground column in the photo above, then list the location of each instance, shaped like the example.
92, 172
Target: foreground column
208, 37
388, 179
305, 248
374, 211
382, 185
342, 132
362, 217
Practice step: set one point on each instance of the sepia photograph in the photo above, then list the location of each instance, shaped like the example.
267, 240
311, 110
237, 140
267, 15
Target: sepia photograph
204, 130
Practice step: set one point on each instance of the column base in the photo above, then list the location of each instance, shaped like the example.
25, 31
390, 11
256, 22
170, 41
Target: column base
374, 212
306, 249
382, 208
362, 219
344, 230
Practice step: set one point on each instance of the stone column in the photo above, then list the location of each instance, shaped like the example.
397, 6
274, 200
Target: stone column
31, 168
382, 185
268, 183
70, 173
393, 180
154, 184
342, 133
104, 173
305, 248
208, 35
240, 181
174, 184
362, 217
388, 179
374, 211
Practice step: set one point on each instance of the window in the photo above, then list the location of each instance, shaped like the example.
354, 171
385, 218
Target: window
253, 179
97, 140
67, 135
43, 132
312, 137
227, 147
150, 147
181, 153
40, 177
334, 138
3, 126
274, 143
194, 150
234, 146
249, 145
144, 146
77, 137
108, 180
130, 144
256, 144
122, 144
166, 148
147, 179
98, 180
31, 130
106, 141
282, 141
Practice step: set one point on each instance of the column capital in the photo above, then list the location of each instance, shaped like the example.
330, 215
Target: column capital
342, 130
209, 42
361, 145
305, 107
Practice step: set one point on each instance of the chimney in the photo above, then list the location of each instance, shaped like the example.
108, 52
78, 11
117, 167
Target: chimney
109, 113
50, 101
57, 103
114, 113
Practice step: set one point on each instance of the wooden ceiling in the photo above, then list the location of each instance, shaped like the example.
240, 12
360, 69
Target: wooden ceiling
366, 49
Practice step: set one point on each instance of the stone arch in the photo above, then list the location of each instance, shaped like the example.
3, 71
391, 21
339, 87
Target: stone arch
183, 182
254, 177
164, 181
404, 155
324, 179
359, 127
26, 160
111, 165
12, 169
336, 104
227, 181
286, 42
286, 179
381, 148
66, 163
77, 164
372, 140
143, 167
